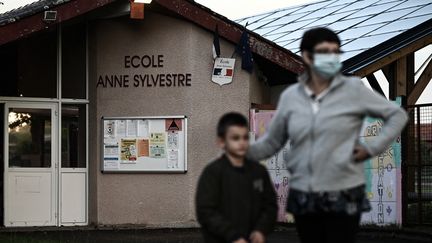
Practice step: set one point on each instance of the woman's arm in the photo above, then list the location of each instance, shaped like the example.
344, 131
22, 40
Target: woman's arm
276, 136
394, 117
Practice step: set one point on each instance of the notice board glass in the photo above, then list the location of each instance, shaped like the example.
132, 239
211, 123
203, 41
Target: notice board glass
144, 144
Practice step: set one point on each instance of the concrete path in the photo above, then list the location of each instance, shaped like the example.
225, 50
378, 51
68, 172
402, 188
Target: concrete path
173, 236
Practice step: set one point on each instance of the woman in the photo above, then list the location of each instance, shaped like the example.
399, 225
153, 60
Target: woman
322, 116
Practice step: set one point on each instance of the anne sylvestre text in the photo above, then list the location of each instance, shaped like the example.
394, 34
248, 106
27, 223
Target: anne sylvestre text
141, 66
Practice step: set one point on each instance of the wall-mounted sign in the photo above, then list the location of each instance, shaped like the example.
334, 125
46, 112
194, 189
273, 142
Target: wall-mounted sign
223, 70
144, 71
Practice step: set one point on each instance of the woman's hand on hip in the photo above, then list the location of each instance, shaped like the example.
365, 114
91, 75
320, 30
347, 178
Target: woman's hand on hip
360, 153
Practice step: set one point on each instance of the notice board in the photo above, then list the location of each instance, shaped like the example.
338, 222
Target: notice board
144, 144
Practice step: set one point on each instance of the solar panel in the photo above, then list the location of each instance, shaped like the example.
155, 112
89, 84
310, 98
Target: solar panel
388, 16
284, 20
361, 24
369, 41
412, 3
375, 9
343, 24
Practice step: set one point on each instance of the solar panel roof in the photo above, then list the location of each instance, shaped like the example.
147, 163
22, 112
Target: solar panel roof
361, 24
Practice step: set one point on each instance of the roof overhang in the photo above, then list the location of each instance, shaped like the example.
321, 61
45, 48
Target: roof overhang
188, 10
31, 24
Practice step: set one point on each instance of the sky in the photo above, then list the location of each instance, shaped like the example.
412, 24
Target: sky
6, 5
236, 9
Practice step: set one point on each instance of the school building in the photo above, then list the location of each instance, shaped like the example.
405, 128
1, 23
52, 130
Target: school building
108, 109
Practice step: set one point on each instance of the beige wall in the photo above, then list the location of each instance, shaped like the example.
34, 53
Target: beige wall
158, 199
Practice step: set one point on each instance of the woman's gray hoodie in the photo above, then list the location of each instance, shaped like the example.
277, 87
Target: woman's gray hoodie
322, 144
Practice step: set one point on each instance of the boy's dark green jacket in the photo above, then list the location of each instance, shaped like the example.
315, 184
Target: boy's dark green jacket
231, 202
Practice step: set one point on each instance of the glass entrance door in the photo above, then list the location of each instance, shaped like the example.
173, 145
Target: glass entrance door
30, 164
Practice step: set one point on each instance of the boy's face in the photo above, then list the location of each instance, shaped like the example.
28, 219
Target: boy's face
236, 141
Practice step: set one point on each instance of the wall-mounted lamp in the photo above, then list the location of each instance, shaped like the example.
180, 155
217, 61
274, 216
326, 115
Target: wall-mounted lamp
50, 16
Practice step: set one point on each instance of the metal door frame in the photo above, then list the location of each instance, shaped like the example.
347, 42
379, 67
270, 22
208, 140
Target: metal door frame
54, 157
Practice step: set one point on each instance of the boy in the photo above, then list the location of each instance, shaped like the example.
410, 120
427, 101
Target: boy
235, 200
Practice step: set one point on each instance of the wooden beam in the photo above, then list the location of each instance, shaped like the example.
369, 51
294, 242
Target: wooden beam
386, 60
400, 82
410, 73
400, 75
386, 71
374, 84
263, 106
389, 73
421, 84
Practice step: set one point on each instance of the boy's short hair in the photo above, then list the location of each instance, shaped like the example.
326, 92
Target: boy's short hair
314, 36
230, 119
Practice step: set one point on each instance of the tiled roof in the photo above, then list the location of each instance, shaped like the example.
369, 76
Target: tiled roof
361, 24
28, 8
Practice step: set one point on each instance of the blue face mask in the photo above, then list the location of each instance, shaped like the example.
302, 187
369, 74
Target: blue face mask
327, 65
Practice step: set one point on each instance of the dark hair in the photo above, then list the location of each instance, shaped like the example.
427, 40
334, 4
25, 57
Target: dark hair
314, 36
230, 119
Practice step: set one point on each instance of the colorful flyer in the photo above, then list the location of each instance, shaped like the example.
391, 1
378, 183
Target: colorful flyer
128, 150
157, 151
143, 147
157, 145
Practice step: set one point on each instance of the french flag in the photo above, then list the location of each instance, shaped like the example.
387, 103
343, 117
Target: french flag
216, 46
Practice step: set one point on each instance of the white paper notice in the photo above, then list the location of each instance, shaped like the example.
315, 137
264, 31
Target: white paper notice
143, 128
109, 129
111, 150
121, 128
173, 140
111, 164
172, 159
132, 127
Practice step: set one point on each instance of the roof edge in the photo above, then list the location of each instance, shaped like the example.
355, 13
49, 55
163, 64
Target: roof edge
188, 9
230, 30
34, 23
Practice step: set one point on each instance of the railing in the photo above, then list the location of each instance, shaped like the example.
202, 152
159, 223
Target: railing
417, 166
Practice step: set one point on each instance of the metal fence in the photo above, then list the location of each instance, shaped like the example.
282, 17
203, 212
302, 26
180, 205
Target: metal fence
417, 166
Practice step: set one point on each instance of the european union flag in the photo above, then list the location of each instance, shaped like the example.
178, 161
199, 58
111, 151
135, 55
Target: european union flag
243, 48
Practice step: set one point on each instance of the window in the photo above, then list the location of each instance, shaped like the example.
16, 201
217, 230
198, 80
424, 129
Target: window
29, 137
73, 136
29, 67
74, 61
